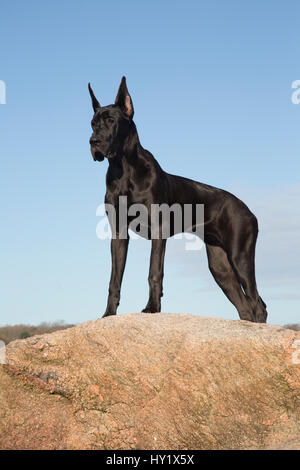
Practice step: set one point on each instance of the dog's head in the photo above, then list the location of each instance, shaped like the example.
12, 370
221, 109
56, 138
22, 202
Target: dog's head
110, 124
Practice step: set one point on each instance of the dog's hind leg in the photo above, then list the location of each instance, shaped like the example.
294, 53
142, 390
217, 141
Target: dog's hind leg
241, 256
156, 274
225, 277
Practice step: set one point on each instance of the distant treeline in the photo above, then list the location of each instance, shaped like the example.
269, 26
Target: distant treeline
11, 332
292, 326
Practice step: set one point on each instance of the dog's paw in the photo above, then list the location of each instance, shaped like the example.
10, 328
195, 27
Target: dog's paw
150, 310
107, 314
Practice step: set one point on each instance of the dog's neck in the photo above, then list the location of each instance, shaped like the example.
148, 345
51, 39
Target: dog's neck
131, 155
132, 146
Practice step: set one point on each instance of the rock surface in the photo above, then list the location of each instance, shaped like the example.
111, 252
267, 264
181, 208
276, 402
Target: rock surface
161, 381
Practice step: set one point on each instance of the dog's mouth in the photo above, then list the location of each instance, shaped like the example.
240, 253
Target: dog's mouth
98, 156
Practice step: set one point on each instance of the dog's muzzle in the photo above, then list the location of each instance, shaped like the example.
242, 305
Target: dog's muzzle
97, 155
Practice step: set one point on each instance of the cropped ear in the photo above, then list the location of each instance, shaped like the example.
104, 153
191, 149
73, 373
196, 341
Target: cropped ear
95, 102
123, 99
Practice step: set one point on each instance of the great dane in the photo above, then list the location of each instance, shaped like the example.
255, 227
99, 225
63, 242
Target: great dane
230, 228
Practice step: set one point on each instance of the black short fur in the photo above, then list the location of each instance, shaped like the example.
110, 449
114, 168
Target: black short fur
230, 228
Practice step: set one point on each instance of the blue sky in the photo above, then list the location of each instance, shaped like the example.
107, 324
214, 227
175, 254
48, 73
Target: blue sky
211, 86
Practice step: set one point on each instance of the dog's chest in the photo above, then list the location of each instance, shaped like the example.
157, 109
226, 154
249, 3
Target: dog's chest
125, 188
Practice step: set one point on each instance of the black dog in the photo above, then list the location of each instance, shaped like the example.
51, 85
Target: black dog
230, 229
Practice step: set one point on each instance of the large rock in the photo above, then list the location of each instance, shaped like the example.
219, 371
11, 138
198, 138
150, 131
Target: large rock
161, 381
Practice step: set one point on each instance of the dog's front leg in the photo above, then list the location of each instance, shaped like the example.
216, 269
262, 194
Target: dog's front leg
156, 274
119, 249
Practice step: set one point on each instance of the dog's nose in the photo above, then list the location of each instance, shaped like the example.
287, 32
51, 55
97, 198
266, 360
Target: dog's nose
94, 141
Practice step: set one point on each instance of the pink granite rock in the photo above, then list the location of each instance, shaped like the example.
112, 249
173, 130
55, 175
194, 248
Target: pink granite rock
163, 381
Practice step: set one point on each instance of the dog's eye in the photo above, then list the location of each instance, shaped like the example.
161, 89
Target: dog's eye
110, 121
